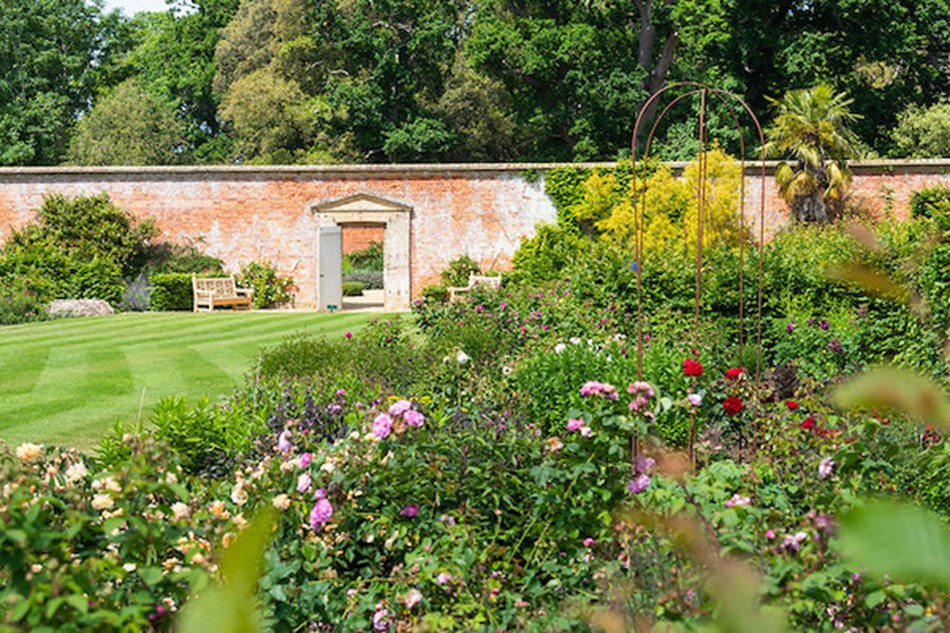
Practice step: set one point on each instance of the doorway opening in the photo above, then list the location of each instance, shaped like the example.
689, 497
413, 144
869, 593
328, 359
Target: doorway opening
363, 265
371, 213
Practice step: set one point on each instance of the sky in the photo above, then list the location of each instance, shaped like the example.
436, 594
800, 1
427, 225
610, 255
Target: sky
131, 7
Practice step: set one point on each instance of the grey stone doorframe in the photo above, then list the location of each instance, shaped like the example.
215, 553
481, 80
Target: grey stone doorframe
396, 217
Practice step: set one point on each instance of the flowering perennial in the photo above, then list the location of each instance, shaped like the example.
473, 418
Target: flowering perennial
692, 367
599, 389
733, 405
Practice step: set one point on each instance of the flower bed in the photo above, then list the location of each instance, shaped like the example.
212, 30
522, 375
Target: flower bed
499, 468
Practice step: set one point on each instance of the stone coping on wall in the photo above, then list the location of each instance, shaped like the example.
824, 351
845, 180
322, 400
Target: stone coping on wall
752, 168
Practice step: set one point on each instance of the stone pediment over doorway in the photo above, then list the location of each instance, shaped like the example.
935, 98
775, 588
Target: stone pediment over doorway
362, 203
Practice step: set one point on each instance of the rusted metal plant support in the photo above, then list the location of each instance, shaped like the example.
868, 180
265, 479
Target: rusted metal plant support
727, 99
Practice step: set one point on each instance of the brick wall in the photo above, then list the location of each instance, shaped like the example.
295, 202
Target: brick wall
242, 214
357, 237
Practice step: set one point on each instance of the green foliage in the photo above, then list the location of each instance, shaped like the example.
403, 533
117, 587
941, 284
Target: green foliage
197, 433
174, 59
352, 289
811, 126
369, 258
129, 126
364, 356
52, 61
933, 202
168, 257
435, 292
564, 185
923, 133
271, 289
86, 228
365, 266
544, 256
371, 279
457, 272
171, 291
21, 306
898, 540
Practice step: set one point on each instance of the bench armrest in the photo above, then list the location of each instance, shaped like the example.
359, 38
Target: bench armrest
244, 292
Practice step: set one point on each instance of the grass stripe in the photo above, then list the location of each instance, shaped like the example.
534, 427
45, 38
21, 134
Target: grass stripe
68, 381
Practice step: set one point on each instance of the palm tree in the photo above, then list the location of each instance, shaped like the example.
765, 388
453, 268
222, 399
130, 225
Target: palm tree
811, 126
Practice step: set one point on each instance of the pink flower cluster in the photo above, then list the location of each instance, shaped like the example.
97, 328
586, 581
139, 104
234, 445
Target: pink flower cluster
738, 501
641, 392
599, 389
578, 424
322, 511
400, 415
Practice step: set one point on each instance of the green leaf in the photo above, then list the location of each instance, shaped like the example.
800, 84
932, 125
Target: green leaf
21, 609
899, 539
19, 537
230, 607
151, 575
874, 598
78, 602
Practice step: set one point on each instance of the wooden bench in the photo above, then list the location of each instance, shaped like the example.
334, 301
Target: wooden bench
491, 281
212, 292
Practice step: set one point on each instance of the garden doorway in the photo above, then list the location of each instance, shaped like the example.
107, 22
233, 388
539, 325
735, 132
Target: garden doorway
363, 266
363, 219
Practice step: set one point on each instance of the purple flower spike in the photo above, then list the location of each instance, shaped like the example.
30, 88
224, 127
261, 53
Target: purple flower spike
409, 511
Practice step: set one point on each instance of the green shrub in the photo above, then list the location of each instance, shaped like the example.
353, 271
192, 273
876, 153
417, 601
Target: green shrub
363, 357
932, 203
270, 288
435, 292
87, 228
20, 306
352, 289
543, 257
93, 279
458, 270
171, 291
197, 433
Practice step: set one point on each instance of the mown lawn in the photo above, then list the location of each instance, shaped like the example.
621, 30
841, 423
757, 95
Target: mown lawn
68, 381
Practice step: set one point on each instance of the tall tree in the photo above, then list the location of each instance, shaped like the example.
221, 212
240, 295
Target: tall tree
52, 53
175, 60
130, 126
885, 53
572, 82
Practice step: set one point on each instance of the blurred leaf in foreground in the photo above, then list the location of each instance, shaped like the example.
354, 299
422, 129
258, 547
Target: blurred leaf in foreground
231, 606
890, 388
897, 539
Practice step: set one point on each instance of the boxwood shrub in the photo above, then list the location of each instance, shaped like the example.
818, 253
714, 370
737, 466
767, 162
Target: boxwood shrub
171, 291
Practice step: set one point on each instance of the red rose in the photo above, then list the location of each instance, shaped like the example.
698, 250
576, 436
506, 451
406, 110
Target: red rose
692, 367
808, 423
734, 373
791, 404
733, 405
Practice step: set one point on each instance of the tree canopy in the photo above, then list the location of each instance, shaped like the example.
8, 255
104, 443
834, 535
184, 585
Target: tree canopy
452, 80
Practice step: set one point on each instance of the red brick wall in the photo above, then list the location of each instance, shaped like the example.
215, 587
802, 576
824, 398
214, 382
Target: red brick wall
250, 213
357, 237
